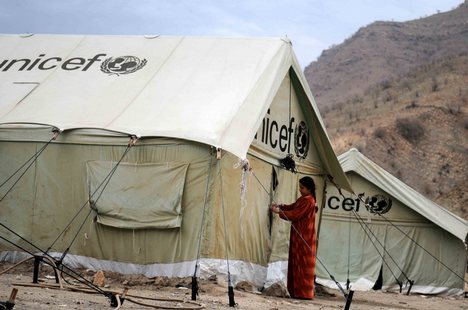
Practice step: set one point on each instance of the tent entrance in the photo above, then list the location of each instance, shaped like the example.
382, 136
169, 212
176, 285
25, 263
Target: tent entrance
378, 283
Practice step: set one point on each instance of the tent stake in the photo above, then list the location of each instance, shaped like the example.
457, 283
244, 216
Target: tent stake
411, 282
349, 299
194, 288
232, 303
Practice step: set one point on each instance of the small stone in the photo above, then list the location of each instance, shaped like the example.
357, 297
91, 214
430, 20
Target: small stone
246, 286
212, 278
277, 289
99, 279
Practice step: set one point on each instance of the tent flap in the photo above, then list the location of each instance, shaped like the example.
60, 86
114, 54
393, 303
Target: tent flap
137, 195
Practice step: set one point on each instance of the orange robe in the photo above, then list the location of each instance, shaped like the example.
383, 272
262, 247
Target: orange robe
301, 262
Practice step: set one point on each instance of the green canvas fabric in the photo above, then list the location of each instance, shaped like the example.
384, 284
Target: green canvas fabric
356, 244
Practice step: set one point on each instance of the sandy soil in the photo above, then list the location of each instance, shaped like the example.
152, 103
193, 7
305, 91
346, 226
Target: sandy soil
212, 295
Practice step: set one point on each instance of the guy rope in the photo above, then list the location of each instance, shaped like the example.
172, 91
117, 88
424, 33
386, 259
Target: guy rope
29, 162
373, 209
115, 298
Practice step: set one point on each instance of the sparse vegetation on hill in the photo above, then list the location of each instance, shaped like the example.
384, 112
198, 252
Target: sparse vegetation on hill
403, 101
383, 51
413, 130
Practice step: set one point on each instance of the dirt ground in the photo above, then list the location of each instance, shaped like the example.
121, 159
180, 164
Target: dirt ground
168, 293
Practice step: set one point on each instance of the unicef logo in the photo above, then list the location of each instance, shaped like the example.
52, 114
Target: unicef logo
301, 140
378, 204
122, 65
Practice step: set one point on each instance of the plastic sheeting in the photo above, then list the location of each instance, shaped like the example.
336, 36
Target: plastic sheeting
238, 269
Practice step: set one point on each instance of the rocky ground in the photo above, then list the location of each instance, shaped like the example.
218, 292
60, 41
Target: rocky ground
165, 293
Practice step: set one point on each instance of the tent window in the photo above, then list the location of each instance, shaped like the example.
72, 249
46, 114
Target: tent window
138, 196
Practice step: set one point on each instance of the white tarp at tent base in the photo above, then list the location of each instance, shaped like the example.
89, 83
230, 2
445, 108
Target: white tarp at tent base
239, 270
412, 238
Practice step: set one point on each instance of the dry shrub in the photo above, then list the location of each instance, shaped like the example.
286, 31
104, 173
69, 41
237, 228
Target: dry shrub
410, 129
379, 133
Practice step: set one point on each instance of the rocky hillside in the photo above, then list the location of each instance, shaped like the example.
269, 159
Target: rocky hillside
403, 101
384, 50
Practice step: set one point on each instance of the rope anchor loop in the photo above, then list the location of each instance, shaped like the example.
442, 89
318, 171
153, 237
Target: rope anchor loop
133, 140
56, 133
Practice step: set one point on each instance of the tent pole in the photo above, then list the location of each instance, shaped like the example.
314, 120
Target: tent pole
349, 250
232, 303
194, 277
322, 207
349, 299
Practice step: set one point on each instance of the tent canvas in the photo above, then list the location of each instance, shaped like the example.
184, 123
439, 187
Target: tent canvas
199, 107
353, 246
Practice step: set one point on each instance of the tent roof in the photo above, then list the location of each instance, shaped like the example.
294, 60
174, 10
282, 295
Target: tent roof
353, 160
211, 90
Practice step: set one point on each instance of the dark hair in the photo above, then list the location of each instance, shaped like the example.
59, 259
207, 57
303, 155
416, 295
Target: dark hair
308, 183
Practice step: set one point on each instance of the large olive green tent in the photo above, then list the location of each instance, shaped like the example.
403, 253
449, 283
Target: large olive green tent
389, 229
211, 117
